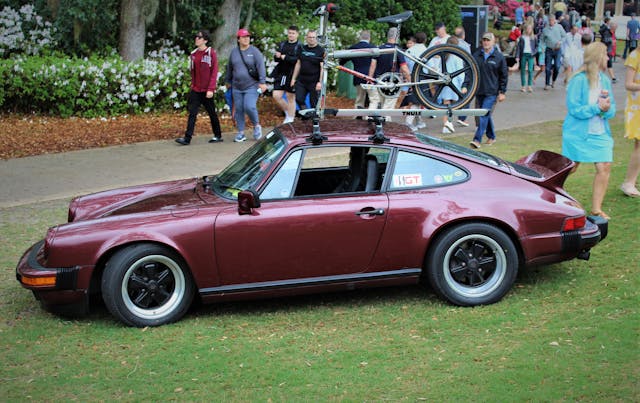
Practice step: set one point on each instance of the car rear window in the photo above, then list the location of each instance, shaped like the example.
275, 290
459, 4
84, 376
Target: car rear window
468, 152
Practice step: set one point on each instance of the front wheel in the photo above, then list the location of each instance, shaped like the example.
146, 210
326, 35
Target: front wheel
444, 71
472, 264
147, 285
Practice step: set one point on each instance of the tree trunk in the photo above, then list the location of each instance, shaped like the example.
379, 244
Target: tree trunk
132, 29
224, 37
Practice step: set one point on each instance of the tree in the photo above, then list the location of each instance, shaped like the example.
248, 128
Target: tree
224, 37
134, 16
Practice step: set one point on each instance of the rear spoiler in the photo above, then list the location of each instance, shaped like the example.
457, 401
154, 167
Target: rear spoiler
553, 167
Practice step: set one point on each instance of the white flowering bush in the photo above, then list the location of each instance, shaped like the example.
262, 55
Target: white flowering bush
24, 32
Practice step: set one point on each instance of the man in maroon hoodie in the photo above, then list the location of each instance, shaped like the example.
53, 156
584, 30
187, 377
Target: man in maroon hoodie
203, 63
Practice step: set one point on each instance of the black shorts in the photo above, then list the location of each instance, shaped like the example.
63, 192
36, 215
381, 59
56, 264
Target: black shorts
283, 83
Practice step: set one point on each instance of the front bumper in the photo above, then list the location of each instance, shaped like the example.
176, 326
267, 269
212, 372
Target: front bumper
60, 290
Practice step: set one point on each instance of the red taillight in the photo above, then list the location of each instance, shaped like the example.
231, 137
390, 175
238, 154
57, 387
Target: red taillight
574, 223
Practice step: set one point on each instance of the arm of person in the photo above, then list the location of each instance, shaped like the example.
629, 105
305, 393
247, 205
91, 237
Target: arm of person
296, 71
211, 88
629, 85
578, 104
504, 77
372, 67
319, 83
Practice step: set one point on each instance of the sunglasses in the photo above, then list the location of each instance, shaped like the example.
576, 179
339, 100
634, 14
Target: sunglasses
199, 36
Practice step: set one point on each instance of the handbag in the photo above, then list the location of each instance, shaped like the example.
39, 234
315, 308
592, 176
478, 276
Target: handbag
253, 71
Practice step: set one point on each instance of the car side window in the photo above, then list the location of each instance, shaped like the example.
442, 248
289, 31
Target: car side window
328, 171
281, 184
414, 170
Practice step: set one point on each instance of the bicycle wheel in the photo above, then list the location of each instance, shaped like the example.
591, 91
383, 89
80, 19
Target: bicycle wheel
445, 71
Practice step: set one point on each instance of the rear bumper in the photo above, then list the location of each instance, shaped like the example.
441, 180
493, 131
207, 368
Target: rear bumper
60, 290
582, 241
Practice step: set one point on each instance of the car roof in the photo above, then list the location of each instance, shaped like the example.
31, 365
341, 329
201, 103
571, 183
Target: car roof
339, 130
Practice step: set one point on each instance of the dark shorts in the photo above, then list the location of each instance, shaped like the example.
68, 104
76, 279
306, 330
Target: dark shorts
610, 62
283, 83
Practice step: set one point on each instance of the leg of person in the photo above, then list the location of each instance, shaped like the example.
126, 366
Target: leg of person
490, 103
628, 187
291, 106
238, 102
251, 109
523, 70
530, 65
600, 183
210, 107
193, 105
279, 100
361, 97
314, 94
374, 98
626, 49
301, 95
556, 67
481, 101
547, 68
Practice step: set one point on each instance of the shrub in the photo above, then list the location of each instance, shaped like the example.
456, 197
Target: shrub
24, 32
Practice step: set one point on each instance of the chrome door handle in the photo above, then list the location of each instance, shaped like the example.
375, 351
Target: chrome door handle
379, 211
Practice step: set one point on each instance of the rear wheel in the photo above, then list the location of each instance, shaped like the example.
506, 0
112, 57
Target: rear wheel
147, 285
472, 264
448, 69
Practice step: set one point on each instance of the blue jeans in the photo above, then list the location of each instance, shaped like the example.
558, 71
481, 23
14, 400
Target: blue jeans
485, 123
552, 65
245, 102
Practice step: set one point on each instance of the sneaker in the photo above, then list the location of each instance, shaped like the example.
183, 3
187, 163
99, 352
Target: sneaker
288, 119
449, 126
475, 144
183, 141
421, 125
413, 128
240, 138
257, 132
614, 80
445, 130
547, 87
462, 123
490, 142
216, 140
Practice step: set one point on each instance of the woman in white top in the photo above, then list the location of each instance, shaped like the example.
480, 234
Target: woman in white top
526, 50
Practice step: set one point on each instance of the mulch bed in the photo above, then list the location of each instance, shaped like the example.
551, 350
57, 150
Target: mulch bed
27, 135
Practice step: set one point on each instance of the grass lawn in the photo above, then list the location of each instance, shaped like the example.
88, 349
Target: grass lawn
566, 332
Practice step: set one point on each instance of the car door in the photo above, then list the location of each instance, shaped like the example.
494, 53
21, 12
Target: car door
312, 236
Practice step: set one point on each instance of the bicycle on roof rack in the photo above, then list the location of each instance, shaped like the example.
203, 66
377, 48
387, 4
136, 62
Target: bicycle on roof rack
430, 75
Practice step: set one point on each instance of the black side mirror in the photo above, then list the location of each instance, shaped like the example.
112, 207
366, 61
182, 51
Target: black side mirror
247, 201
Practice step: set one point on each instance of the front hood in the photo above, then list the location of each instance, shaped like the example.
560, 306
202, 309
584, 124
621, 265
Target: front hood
135, 199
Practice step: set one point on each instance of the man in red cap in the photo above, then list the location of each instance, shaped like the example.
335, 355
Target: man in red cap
246, 75
204, 73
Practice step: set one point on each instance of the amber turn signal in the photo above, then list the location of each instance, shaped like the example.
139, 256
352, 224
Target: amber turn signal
39, 281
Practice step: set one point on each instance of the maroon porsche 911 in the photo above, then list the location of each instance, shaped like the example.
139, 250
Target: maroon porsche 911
312, 209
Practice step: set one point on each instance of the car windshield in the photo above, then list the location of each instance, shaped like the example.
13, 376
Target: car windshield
446, 145
250, 167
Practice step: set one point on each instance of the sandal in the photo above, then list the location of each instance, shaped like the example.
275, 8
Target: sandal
601, 214
631, 192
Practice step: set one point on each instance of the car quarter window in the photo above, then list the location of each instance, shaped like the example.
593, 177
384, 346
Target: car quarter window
414, 170
329, 170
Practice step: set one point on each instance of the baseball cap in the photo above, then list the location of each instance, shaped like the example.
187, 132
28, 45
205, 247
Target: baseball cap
488, 35
243, 32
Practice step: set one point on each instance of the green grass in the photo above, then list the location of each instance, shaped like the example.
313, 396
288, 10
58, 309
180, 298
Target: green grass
566, 332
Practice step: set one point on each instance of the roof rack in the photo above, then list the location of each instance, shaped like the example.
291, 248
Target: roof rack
378, 117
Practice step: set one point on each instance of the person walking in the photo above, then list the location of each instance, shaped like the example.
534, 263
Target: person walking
203, 65
286, 57
307, 74
586, 135
410, 101
606, 37
385, 64
526, 50
246, 75
633, 35
632, 122
441, 35
361, 65
552, 36
493, 76
447, 95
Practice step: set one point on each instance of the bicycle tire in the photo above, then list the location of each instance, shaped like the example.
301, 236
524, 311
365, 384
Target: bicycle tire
428, 94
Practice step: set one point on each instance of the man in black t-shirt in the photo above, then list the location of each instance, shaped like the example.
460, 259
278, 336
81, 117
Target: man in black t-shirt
307, 74
286, 56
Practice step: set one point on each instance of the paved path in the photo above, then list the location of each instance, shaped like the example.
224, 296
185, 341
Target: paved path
64, 175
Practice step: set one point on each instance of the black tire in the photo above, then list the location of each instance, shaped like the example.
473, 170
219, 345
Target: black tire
472, 264
436, 56
147, 285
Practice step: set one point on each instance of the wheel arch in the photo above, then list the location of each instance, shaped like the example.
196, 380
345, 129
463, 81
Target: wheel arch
504, 227
103, 259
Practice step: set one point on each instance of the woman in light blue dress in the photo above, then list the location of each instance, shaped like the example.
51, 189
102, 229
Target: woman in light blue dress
586, 135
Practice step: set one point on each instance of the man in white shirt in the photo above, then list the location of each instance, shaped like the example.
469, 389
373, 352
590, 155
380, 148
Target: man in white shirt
441, 35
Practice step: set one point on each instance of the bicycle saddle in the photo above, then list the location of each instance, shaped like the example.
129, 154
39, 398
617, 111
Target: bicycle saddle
396, 18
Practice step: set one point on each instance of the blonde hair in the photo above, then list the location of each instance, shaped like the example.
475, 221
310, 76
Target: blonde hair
592, 65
